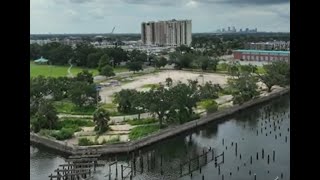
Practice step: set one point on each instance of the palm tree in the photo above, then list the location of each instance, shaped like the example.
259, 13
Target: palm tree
101, 118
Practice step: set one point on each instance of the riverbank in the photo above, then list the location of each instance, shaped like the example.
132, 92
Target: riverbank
156, 137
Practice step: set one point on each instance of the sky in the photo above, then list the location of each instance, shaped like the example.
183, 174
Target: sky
100, 16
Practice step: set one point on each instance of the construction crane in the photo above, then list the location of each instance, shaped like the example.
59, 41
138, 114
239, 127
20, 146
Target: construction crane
112, 30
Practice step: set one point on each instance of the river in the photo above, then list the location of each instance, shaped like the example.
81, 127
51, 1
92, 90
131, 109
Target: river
272, 119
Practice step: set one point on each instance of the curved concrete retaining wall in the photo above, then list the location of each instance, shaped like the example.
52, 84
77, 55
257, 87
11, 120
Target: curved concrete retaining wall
155, 137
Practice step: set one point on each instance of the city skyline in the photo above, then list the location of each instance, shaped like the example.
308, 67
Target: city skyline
100, 16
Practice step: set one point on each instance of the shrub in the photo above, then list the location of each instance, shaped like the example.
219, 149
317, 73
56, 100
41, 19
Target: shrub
64, 133
142, 121
142, 131
45, 132
209, 105
85, 142
112, 140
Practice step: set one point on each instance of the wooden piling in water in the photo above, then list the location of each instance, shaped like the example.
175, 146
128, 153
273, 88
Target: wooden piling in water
257, 156
222, 141
250, 159
255, 177
116, 167
262, 153
219, 169
236, 149
268, 158
286, 139
274, 155
161, 172
121, 171
212, 154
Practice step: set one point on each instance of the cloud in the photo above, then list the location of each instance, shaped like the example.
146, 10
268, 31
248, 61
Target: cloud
183, 2
80, 1
244, 2
157, 2
95, 16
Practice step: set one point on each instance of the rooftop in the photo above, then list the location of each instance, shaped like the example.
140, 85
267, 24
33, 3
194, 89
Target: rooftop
261, 51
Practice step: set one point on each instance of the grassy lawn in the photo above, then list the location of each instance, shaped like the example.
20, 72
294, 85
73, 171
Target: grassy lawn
120, 69
68, 107
141, 131
134, 122
56, 71
150, 86
260, 70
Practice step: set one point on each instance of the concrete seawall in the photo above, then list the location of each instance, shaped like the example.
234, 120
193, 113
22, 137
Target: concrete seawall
155, 137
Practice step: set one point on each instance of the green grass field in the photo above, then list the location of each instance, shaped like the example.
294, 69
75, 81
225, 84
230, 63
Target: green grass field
58, 71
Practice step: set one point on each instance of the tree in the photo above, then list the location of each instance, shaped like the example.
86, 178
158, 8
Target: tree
204, 61
107, 71
233, 69
35, 51
45, 117
209, 91
276, 73
93, 59
101, 117
84, 76
104, 60
184, 48
248, 68
158, 103
124, 99
213, 64
81, 53
243, 88
38, 87
139, 104
135, 66
184, 98
161, 62
169, 82
83, 94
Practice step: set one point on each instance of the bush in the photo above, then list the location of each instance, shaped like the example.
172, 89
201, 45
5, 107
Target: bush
112, 140
70, 108
74, 122
85, 142
142, 121
64, 133
45, 132
142, 131
209, 105
107, 71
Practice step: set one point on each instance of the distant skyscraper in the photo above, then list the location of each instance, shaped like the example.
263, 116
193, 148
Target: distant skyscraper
170, 33
223, 30
240, 30
229, 29
234, 29
247, 29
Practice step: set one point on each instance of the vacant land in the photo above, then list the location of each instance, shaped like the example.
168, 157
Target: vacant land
140, 82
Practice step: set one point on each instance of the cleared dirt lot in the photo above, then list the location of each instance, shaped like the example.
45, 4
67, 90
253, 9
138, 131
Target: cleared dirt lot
160, 77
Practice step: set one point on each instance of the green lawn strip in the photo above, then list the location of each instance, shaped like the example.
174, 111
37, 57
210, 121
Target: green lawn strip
142, 131
68, 107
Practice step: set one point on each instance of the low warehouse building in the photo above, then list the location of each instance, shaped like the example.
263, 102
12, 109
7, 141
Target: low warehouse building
261, 55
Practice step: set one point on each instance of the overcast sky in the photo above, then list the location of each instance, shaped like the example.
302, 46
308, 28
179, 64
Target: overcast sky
100, 16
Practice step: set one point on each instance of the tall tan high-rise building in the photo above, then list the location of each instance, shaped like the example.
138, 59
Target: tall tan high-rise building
167, 33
